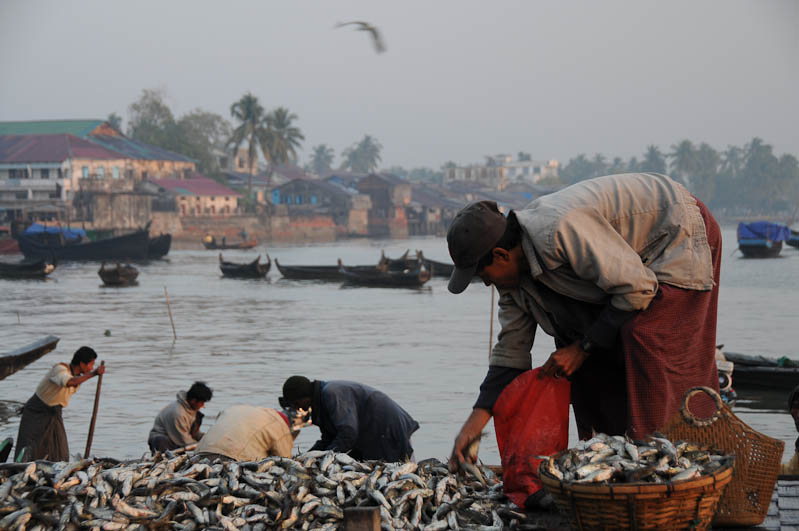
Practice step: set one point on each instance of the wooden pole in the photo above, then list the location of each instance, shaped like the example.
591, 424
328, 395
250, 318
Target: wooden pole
94, 414
168, 307
491, 325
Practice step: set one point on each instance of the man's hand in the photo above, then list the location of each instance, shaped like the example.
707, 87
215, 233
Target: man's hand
99, 370
564, 361
471, 430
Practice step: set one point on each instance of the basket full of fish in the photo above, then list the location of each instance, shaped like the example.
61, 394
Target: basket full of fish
196, 492
615, 482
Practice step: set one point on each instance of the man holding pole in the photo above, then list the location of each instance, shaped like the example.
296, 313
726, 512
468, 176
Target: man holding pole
41, 430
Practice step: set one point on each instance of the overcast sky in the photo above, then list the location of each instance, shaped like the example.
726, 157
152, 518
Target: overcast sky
460, 79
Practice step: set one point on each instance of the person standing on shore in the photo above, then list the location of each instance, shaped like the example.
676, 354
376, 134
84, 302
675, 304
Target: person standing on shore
41, 430
623, 272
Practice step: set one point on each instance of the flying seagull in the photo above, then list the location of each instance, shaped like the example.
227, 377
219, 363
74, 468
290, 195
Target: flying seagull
365, 26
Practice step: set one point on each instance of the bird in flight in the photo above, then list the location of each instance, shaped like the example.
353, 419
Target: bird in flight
377, 40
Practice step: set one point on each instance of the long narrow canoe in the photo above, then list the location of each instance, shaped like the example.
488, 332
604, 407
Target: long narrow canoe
411, 261
18, 359
25, 269
307, 272
386, 279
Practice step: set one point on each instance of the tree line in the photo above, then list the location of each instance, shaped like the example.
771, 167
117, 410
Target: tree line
739, 180
271, 136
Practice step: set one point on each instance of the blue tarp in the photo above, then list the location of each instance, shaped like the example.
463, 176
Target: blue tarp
763, 230
69, 233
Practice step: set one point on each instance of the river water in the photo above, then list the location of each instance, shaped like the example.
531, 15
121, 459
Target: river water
427, 349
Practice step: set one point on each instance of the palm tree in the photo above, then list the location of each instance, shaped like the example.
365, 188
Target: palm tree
251, 130
362, 157
322, 159
653, 160
732, 161
283, 137
683, 159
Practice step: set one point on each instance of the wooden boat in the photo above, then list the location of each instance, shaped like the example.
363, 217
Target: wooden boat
121, 275
133, 246
303, 272
252, 270
210, 243
18, 359
761, 372
409, 278
158, 247
409, 261
25, 269
762, 239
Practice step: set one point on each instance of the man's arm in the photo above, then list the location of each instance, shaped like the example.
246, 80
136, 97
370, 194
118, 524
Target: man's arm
77, 380
470, 430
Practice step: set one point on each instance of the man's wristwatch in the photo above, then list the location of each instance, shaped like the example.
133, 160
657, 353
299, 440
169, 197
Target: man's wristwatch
588, 346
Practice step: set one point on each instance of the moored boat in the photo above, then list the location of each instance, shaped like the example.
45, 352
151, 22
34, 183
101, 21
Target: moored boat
158, 247
307, 272
409, 278
762, 239
210, 243
762, 372
409, 261
133, 246
254, 269
15, 360
121, 275
26, 269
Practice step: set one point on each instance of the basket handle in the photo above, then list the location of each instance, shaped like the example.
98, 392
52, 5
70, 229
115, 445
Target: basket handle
690, 418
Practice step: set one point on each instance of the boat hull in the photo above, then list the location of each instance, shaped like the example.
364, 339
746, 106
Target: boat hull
254, 269
158, 247
37, 269
121, 275
331, 273
133, 246
760, 249
223, 246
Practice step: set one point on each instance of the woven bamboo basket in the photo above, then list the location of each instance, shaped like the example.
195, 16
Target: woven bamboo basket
679, 505
757, 458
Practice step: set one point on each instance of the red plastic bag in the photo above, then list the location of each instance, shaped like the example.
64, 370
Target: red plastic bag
531, 418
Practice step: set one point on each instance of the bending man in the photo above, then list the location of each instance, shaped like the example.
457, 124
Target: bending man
41, 430
248, 433
353, 418
623, 272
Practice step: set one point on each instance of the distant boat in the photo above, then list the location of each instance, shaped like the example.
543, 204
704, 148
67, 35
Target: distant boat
25, 269
253, 269
408, 261
762, 239
133, 246
121, 275
308, 272
408, 278
158, 247
210, 243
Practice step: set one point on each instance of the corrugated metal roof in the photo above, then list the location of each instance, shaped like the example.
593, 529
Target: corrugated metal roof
134, 149
198, 184
50, 127
49, 148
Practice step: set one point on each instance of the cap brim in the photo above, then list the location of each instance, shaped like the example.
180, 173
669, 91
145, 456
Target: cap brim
461, 278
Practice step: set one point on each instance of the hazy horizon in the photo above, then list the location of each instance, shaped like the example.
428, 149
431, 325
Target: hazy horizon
459, 80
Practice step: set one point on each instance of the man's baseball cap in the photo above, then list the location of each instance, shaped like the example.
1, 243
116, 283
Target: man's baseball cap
474, 232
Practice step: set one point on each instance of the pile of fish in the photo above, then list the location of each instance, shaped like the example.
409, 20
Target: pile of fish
195, 492
613, 458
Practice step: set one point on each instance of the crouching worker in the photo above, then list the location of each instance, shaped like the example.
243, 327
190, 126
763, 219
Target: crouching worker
41, 430
792, 466
178, 424
353, 418
248, 433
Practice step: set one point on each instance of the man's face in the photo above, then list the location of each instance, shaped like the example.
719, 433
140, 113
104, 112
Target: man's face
197, 405
502, 272
86, 367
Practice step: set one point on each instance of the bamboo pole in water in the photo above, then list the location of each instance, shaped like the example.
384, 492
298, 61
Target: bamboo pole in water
168, 307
